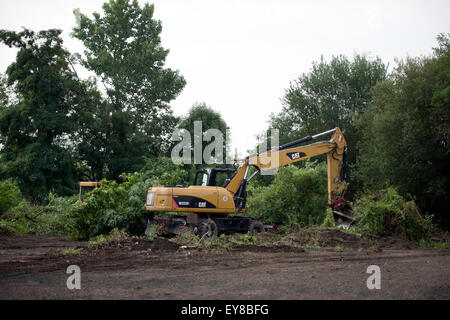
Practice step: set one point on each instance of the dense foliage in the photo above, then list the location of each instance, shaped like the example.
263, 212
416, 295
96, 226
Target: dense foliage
386, 213
114, 205
297, 196
56, 128
123, 48
10, 195
50, 219
405, 133
210, 119
34, 130
332, 94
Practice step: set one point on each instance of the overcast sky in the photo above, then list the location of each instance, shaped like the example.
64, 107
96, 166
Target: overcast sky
239, 56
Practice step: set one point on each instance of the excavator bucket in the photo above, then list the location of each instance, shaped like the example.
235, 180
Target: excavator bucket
343, 213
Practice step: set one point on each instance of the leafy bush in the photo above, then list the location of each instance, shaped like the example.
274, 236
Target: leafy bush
8, 226
329, 221
55, 218
50, 219
245, 238
386, 212
297, 196
22, 218
112, 206
10, 195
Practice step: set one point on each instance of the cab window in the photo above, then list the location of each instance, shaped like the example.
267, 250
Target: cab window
221, 177
85, 191
201, 178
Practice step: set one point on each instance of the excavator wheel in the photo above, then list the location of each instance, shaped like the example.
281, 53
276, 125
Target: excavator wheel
255, 227
208, 229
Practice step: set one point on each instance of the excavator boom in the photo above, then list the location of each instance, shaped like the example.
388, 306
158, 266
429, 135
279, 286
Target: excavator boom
274, 158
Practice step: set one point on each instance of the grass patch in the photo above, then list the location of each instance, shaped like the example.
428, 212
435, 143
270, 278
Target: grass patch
73, 251
244, 238
433, 244
115, 238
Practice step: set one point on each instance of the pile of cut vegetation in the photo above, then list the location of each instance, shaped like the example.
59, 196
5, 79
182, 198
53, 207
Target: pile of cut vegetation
386, 213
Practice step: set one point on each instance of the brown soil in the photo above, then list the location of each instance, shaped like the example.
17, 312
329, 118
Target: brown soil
34, 267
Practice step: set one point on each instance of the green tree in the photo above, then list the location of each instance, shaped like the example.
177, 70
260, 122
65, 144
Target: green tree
332, 94
405, 132
210, 119
123, 47
93, 128
4, 96
440, 111
34, 131
10, 195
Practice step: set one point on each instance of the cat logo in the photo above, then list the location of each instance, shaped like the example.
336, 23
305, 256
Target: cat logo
202, 204
296, 155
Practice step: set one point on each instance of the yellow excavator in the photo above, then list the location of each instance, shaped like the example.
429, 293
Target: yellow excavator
218, 196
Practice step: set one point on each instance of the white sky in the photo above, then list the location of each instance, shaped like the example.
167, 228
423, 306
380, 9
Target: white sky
239, 56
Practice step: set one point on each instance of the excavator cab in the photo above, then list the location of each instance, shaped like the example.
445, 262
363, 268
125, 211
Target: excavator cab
85, 188
216, 177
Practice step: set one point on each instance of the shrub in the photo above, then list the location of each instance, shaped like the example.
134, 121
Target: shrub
10, 195
50, 219
114, 205
297, 196
329, 221
22, 218
55, 218
386, 213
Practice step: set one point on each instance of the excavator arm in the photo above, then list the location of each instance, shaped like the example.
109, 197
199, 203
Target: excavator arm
335, 149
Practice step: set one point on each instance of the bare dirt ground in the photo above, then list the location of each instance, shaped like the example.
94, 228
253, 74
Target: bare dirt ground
34, 267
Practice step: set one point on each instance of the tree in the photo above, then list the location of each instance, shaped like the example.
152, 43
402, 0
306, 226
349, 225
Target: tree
123, 47
34, 130
332, 94
440, 111
90, 138
4, 96
210, 119
405, 132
